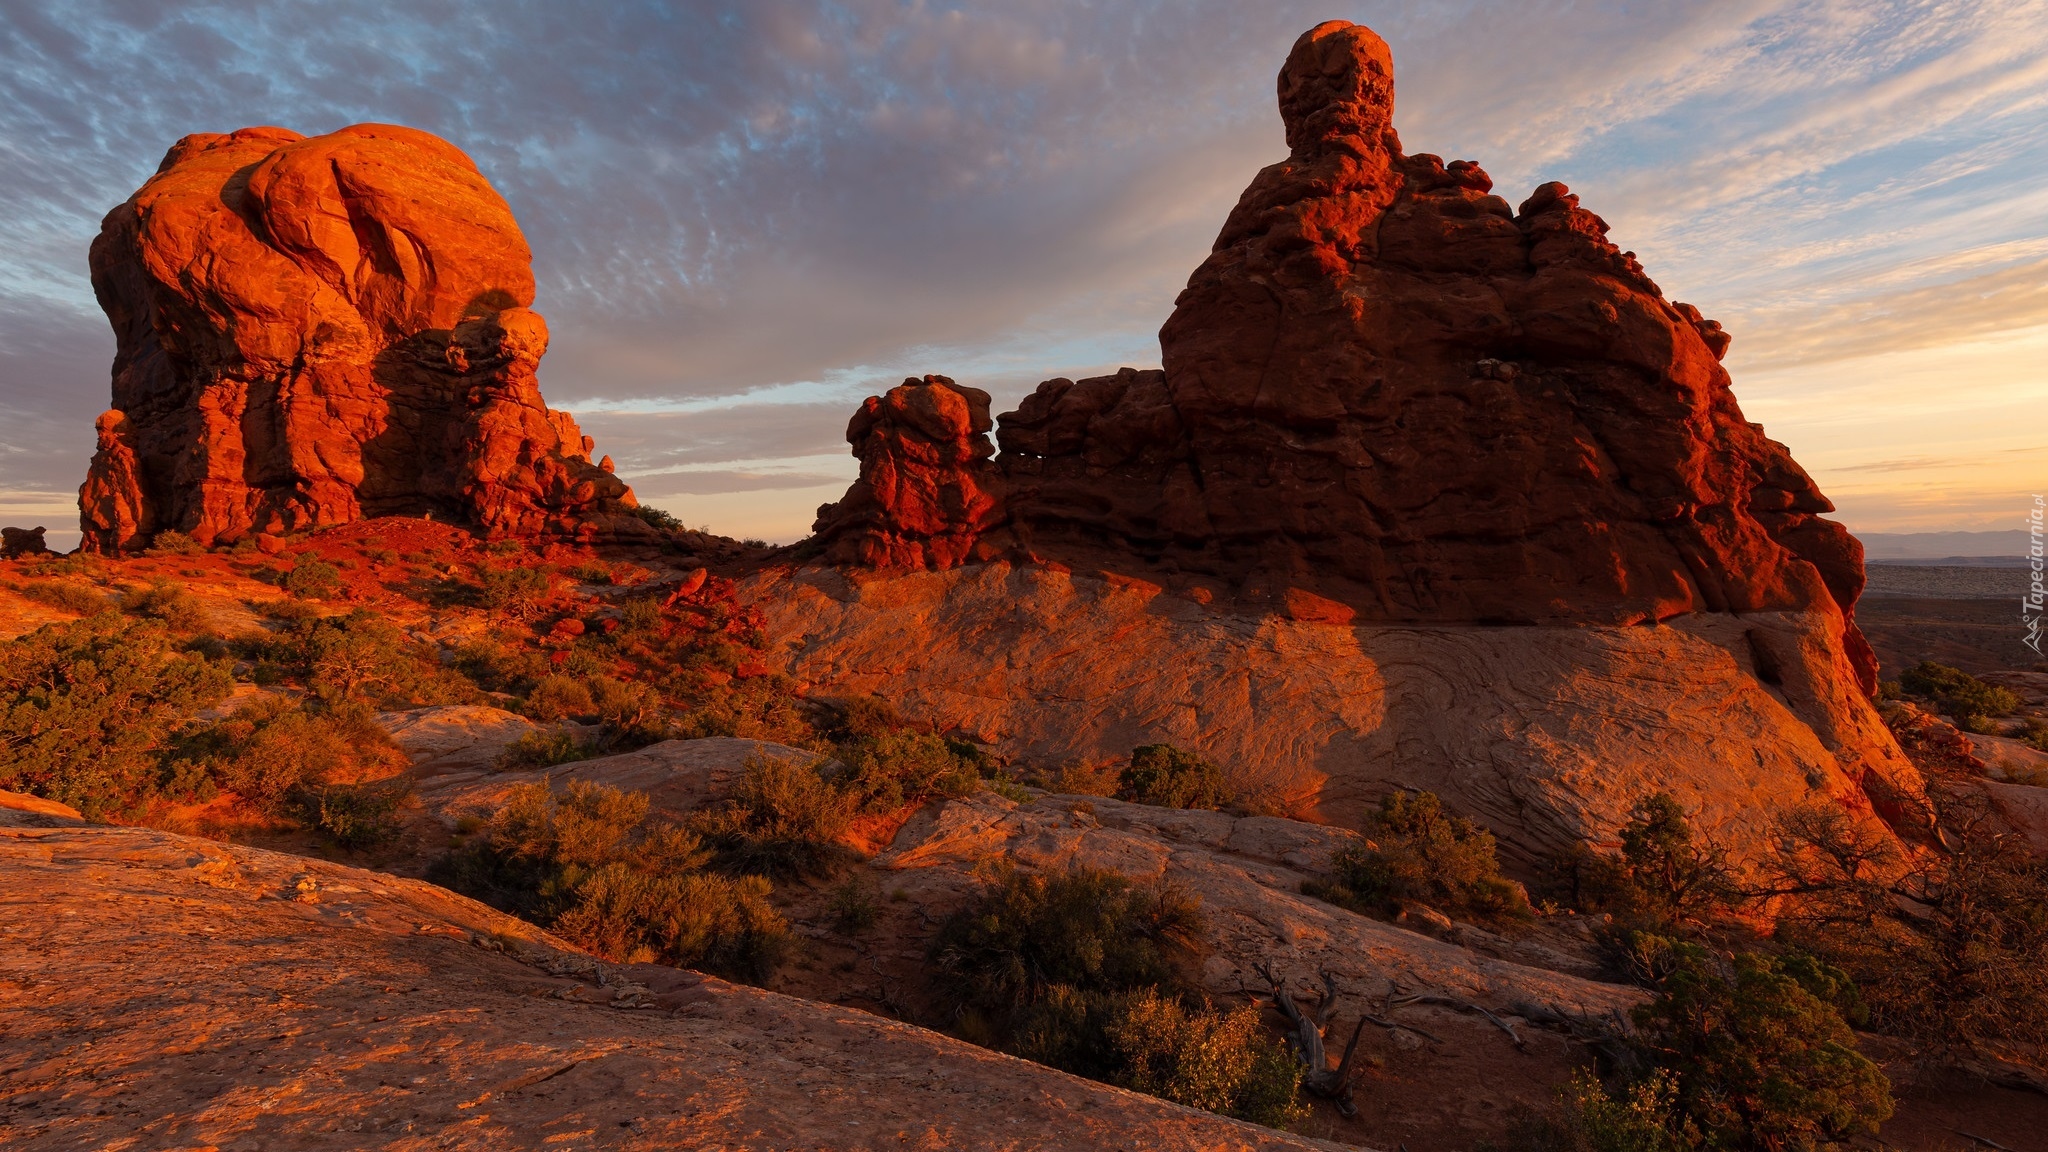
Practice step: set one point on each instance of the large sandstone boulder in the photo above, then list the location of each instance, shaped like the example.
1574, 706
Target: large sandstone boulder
166, 991
927, 493
1431, 491
1390, 386
316, 330
1546, 734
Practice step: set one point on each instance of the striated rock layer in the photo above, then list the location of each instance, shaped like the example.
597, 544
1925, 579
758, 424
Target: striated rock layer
1546, 734
1388, 385
317, 330
164, 991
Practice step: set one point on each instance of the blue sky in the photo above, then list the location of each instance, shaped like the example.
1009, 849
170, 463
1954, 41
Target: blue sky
745, 217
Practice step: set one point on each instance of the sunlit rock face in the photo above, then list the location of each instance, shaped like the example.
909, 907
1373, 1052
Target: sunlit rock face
1432, 491
316, 330
1390, 385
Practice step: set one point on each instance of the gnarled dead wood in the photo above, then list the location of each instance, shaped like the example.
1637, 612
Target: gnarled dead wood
1307, 1040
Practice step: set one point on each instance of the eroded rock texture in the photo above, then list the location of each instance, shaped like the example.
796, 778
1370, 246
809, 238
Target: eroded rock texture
927, 492
316, 330
1388, 384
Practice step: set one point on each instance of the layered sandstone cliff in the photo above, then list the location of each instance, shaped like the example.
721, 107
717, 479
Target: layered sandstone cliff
316, 330
1389, 386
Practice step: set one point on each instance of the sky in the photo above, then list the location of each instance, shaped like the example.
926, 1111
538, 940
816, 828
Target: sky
745, 217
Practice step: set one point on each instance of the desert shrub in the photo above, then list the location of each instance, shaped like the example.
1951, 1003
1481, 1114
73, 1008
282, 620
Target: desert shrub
591, 572
1220, 1061
1414, 850
277, 753
558, 698
1948, 948
1635, 1116
1972, 702
514, 588
640, 615
665, 521
176, 608
1087, 972
1668, 878
1168, 777
353, 816
1085, 929
543, 748
495, 667
758, 709
781, 819
288, 611
70, 595
633, 713
360, 656
89, 709
312, 580
591, 866
853, 907
888, 771
1759, 1051
1075, 778
174, 543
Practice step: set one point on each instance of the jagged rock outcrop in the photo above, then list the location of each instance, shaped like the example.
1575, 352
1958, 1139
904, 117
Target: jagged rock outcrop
1390, 387
927, 493
19, 542
317, 330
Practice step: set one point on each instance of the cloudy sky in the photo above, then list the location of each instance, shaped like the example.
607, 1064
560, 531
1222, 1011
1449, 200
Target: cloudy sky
746, 216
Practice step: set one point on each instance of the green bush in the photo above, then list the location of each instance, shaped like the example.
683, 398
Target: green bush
854, 910
495, 667
542, 748
1948, 948
665, 521
1639, 1116
174, 543
277, 754
515, 588
1761, 1054
1168, 777
1972, 702
782, 819
354, 816
885, 772
360, 656
313, 580
176, 608
1414, 850
558, 698
1219, 1061
1087, 972
1668, 878
70, 595
640, 615
589, 865
633, 713
1089, 930
88, 711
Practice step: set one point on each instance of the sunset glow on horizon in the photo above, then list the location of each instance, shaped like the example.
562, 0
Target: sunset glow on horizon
746, 217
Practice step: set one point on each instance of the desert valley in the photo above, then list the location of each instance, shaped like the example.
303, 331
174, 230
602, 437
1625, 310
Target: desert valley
1423, 713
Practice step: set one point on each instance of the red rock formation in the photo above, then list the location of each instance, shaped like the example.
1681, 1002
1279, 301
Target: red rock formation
1388, 385
313, 331
927, 493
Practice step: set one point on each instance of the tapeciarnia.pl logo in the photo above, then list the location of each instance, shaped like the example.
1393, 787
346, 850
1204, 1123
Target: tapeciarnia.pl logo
2037, 595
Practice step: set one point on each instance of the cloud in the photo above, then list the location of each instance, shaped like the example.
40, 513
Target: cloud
746, 216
